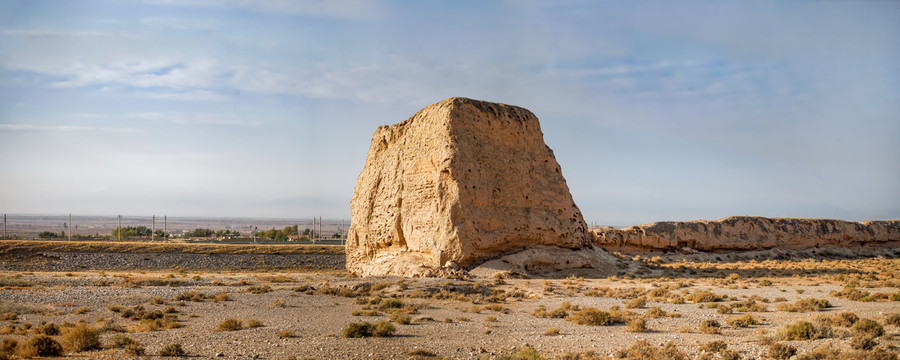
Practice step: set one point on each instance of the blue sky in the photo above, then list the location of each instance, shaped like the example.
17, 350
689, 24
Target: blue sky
265, 108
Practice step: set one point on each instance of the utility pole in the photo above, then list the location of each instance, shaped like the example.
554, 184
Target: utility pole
70, 227
166, 226
119, 229
153, 228
4, 226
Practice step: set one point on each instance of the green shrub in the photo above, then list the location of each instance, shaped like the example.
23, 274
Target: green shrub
41, 345
171, 349
391, 303
383, 328
526, 353
703, 296
358, 330
779, 351
81, 338
644, 350
804, 330
591, 316
868, 327
400, 318
743, 321
805, 305
122, 340
230, 324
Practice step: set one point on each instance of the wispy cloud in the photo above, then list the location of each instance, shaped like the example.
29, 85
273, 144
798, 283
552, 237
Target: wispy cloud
184, 118
51, 33
182, 23
65, 128
321, 8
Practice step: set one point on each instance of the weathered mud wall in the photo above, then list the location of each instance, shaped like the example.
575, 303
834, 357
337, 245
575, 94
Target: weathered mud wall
738, 233
460, 182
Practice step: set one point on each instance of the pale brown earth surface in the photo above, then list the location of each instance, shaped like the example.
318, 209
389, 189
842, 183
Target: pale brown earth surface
451, 317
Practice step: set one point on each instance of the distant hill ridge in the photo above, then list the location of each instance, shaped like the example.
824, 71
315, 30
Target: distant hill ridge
738, 233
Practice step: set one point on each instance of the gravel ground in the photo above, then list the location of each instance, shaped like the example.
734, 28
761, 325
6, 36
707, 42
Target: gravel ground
66, 261
443, 325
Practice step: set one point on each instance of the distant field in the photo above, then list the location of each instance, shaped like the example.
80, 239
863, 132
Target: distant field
33, 246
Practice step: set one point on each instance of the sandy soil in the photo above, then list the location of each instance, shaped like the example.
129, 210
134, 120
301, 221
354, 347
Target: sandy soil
453, 318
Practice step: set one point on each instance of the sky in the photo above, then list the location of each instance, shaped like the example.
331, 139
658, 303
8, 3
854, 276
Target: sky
266, 108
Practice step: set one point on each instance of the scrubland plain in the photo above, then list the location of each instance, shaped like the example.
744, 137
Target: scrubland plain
821, 305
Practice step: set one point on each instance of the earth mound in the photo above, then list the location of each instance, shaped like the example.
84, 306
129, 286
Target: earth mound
459, 183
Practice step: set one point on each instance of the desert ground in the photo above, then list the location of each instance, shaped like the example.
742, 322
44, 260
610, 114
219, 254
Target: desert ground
231, 302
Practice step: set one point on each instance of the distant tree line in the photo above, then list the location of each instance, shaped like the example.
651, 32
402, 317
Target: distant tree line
132, 231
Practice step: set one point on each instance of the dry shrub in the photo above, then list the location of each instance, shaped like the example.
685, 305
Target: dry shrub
704, 296
135, 349
714, 346
286, 334
551, 331
171, 349
644, 350
254, 323
637, 325
222, 296
868, 327
230, 324
49, 329
192, 295
262, 289
779, 351
805, 305
863, 342
892, 319
156, 324
8, 347
81, 338
844, 319
638, 303
587, 355
40, 345
710, 327
655, 313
